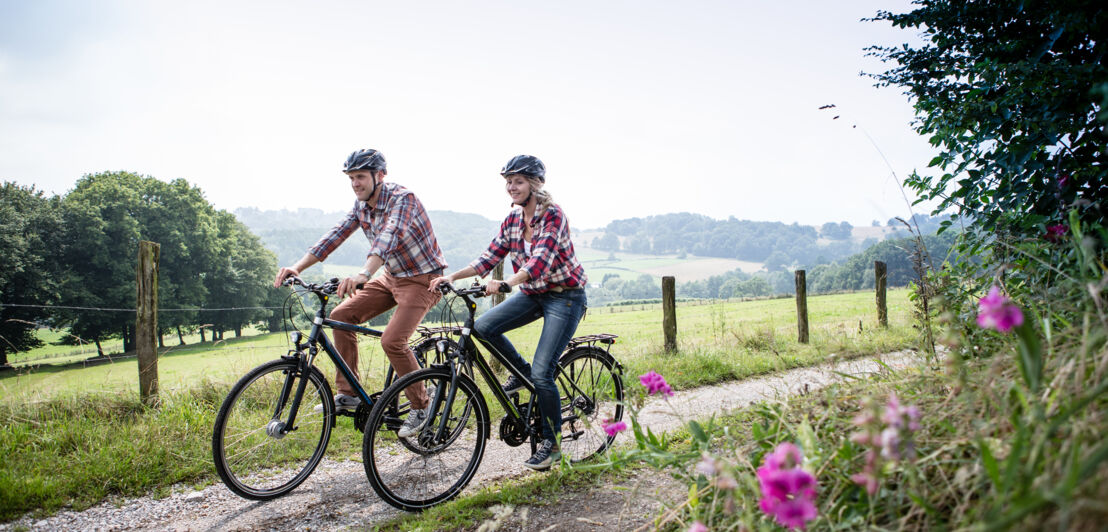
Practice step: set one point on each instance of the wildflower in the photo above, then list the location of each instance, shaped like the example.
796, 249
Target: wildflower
788, 492
614, 428
655, 383
886, 436
698, 527
707, 465
995, 311
1054, 233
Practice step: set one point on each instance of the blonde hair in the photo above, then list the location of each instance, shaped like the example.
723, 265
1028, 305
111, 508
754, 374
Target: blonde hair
543, 199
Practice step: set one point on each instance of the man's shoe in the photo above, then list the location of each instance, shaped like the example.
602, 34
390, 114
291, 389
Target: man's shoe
544, 456
343, 403
416, 420
513, 385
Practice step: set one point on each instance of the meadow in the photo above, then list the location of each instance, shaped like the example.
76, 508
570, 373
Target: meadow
91, 420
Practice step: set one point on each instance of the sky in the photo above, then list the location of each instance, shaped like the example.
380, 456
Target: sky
637, 107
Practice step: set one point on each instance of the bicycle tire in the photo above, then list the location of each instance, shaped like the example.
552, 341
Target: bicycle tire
252, 462
416, 480
591, 387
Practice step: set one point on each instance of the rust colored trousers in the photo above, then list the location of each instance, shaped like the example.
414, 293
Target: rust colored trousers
412, 301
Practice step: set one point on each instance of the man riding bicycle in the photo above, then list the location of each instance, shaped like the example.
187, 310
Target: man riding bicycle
403, 242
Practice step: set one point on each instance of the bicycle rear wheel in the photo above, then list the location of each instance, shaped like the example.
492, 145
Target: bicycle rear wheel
253, 453
591, 389
445, 454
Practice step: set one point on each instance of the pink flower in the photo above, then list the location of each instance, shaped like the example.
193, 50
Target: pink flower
698, 527
655, 384
995, 311
788, 492
1055, 233
707, 465
614, 428
1063, 180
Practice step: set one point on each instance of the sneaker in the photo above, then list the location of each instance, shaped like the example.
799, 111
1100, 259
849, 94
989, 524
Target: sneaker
544, 456
343, 403
513, 385
416, 420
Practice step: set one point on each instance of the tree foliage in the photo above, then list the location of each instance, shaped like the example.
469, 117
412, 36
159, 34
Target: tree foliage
1010, 93
208, 259
30, 229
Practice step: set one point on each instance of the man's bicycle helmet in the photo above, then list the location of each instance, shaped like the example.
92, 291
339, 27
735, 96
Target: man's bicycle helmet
528, 165
366, 159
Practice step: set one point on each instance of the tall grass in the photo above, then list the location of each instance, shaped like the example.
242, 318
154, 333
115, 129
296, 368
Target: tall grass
77, 436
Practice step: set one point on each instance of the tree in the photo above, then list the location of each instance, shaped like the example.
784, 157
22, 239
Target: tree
1010, 93
607, 242
107, 214
238, 277
835, 231
30, 234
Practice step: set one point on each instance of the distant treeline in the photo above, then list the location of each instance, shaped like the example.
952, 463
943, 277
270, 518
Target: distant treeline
777, 245
853, 273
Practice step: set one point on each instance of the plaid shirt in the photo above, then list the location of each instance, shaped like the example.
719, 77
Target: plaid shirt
398, 230
551, 263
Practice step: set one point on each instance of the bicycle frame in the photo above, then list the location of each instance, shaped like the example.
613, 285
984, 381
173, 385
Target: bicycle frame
316, 339
472, 355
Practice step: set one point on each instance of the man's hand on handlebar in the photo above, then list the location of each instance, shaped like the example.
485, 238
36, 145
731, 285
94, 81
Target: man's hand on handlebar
283, 274
351, 284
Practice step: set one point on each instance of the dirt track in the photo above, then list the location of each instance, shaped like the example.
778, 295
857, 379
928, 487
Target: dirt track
338, 496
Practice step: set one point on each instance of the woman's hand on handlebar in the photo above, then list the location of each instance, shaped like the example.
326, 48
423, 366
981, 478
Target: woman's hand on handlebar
495, 286
434, 285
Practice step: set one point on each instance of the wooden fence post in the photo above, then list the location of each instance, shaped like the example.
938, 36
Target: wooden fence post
498, 274
669, 313
801, 307
146, 320
880, 282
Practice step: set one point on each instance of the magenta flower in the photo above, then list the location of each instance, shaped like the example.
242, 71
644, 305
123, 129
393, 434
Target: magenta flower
996, 311
614, 428
788, 492
655, 384
698, 527
1054, 233
1063, 180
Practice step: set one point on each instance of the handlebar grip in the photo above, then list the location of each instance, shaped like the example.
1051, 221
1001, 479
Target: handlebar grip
504, 288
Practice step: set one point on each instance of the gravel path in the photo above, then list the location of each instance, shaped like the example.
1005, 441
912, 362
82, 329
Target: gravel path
337, 494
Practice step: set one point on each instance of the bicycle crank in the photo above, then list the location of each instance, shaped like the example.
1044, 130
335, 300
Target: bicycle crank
512, 431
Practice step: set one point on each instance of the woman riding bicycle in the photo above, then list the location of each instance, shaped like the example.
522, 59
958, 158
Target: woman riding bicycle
551, 282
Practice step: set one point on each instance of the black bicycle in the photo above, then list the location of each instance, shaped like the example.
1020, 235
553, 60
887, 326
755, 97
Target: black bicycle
448, 450
268, 435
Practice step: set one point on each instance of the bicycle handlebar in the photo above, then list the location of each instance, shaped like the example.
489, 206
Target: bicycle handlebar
477, 290
324, 288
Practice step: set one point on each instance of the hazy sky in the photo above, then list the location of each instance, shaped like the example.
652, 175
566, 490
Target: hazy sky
637, 107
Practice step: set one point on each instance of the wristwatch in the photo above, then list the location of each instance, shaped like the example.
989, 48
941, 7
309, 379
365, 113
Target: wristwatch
365, 273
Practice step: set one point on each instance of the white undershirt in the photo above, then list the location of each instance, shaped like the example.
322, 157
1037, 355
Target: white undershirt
526, 247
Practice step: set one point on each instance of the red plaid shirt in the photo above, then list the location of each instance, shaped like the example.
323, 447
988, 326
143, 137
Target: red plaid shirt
551, 263
398, 230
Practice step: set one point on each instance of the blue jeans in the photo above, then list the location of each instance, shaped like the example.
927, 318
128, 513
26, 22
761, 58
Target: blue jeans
560, 312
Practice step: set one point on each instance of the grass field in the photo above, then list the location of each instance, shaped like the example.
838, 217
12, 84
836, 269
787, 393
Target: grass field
91, 420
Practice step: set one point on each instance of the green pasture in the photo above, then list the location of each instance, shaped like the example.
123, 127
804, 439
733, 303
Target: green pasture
91, 419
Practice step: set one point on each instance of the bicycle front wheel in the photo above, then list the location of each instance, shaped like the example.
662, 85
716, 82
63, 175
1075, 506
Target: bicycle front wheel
256, 455
591, 388
434, 465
